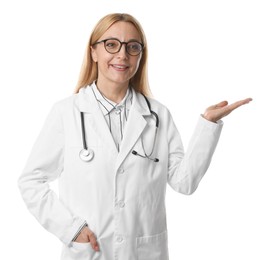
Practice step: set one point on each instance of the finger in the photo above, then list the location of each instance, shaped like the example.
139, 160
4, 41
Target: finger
93, 241
239, 103
218, 105
246, 101
221, 104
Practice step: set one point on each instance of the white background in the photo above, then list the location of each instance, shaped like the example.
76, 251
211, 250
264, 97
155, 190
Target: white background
201, 52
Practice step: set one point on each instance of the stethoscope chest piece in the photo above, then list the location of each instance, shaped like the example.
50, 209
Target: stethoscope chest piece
86, 155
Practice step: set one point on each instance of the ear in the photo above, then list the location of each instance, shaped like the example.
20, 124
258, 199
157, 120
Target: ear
94, 54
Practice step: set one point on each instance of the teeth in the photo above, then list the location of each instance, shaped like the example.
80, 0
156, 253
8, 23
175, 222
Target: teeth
119, 67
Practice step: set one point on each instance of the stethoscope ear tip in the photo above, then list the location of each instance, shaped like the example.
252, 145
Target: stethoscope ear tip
145, 156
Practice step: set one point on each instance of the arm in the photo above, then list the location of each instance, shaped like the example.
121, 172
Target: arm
44, 165
186, 171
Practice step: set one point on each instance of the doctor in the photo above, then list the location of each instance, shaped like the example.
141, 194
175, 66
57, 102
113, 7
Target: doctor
113, 152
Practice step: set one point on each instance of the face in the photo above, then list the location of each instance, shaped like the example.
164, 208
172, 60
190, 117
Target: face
120, 67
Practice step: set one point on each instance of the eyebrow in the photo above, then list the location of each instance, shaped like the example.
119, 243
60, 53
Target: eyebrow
130, 40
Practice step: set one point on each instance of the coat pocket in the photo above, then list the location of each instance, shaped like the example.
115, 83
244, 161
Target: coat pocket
79, 251
152, 247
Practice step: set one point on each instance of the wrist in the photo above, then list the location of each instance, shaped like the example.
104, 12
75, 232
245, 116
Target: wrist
209, 119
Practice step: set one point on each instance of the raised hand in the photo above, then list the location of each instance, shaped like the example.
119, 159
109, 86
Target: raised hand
222, 109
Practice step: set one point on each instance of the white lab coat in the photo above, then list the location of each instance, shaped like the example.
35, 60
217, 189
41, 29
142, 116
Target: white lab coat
120, 195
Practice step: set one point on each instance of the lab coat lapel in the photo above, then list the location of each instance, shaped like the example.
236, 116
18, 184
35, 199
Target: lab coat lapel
89, 105
134, 127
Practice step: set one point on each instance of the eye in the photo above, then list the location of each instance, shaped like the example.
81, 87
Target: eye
134, 46
112, 44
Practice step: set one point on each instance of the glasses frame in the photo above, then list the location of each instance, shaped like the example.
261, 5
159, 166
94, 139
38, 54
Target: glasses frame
121, 43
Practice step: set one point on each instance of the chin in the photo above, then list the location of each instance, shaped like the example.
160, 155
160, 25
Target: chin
121, 81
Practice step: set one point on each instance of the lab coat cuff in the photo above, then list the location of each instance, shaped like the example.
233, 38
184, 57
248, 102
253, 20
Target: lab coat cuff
75, 228
210, 124
79, 231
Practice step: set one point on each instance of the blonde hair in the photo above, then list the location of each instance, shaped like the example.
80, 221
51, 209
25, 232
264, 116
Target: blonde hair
89, 70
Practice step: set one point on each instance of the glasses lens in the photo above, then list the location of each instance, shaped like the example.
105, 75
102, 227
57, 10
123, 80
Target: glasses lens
112, 46
134, 48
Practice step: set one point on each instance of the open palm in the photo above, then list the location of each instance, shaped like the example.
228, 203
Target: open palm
222, 109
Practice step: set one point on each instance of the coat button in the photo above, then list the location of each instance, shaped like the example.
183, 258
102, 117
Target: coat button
118, 111
119, 239
121, 203
121, 171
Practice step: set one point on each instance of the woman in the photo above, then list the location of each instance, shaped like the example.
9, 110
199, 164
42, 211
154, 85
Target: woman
114, 151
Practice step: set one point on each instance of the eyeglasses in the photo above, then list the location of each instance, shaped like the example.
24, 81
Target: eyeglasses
113, 45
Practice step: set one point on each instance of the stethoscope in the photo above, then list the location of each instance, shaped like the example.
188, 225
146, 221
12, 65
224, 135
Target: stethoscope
87, 154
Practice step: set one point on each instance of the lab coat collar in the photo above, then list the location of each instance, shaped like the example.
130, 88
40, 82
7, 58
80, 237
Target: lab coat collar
134, 127
86, 100
107, 105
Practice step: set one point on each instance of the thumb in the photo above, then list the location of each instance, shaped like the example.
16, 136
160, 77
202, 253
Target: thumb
221, 104
93, 241
218, 105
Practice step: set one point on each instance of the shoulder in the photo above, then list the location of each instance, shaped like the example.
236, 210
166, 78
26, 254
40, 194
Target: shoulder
158, 107
66, 103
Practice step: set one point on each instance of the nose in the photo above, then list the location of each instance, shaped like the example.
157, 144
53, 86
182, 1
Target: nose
123, 51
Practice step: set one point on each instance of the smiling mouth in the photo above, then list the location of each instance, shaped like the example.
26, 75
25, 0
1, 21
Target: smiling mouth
120, 67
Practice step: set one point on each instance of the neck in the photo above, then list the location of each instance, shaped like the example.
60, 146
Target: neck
113, 92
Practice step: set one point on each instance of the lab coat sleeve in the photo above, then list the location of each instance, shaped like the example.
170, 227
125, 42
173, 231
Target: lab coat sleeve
185, 170
44, 165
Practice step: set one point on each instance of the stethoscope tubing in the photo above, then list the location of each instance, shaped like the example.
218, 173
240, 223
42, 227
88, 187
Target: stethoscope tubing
83, 130
87, 154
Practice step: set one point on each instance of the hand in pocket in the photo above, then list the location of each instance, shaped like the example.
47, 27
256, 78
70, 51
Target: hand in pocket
87, 236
